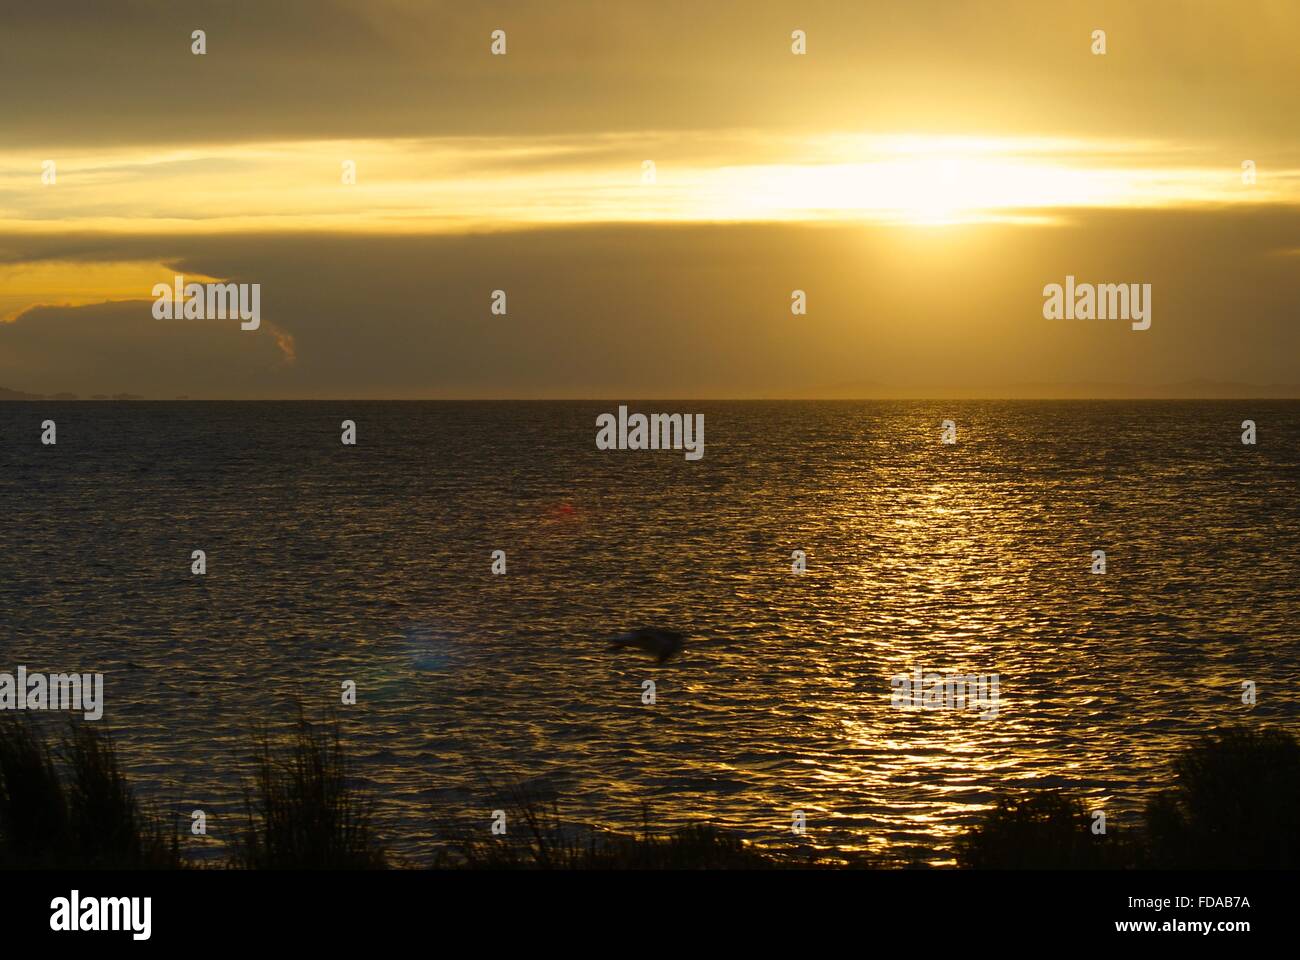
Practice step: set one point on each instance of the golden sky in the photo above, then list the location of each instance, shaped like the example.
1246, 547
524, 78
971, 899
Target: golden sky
921, 172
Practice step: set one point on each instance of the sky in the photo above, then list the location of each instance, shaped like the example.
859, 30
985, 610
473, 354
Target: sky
649, 184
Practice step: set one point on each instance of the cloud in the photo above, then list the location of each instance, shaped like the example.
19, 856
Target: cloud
453, 183
682, 311
329, 69
119, 347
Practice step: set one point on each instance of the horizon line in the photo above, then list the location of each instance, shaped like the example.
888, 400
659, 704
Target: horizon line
664, 399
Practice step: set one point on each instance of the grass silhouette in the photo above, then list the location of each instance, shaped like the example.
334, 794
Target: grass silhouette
304, 811
1234, 802
79, 813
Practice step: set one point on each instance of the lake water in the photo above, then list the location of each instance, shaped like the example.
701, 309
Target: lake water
372, 563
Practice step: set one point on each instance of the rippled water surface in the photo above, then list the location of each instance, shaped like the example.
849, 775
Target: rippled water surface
372, 563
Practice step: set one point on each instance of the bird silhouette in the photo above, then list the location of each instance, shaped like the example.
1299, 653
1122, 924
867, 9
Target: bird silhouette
656, 641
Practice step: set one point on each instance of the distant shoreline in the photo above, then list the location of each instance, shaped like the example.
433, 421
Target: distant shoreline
133, 398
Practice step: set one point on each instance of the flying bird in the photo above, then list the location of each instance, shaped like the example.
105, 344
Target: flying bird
659, 643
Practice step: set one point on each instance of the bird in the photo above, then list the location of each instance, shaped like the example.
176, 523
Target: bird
656, 641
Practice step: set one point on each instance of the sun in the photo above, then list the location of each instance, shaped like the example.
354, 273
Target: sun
924, 181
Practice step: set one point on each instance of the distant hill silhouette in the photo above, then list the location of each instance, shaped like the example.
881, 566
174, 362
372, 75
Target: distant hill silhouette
7, 394
1091, 390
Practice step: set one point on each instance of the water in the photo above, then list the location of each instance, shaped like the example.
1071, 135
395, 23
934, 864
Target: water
372, 563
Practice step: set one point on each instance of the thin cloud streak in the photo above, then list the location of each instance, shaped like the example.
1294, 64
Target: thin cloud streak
423, 185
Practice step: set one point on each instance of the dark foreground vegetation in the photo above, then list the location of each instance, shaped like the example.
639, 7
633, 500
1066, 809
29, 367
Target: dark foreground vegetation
541, 840
303, 811
1233, 801
79, 812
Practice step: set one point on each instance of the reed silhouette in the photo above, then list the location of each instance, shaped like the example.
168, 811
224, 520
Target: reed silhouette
305, 811
1234, 802
79, 813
